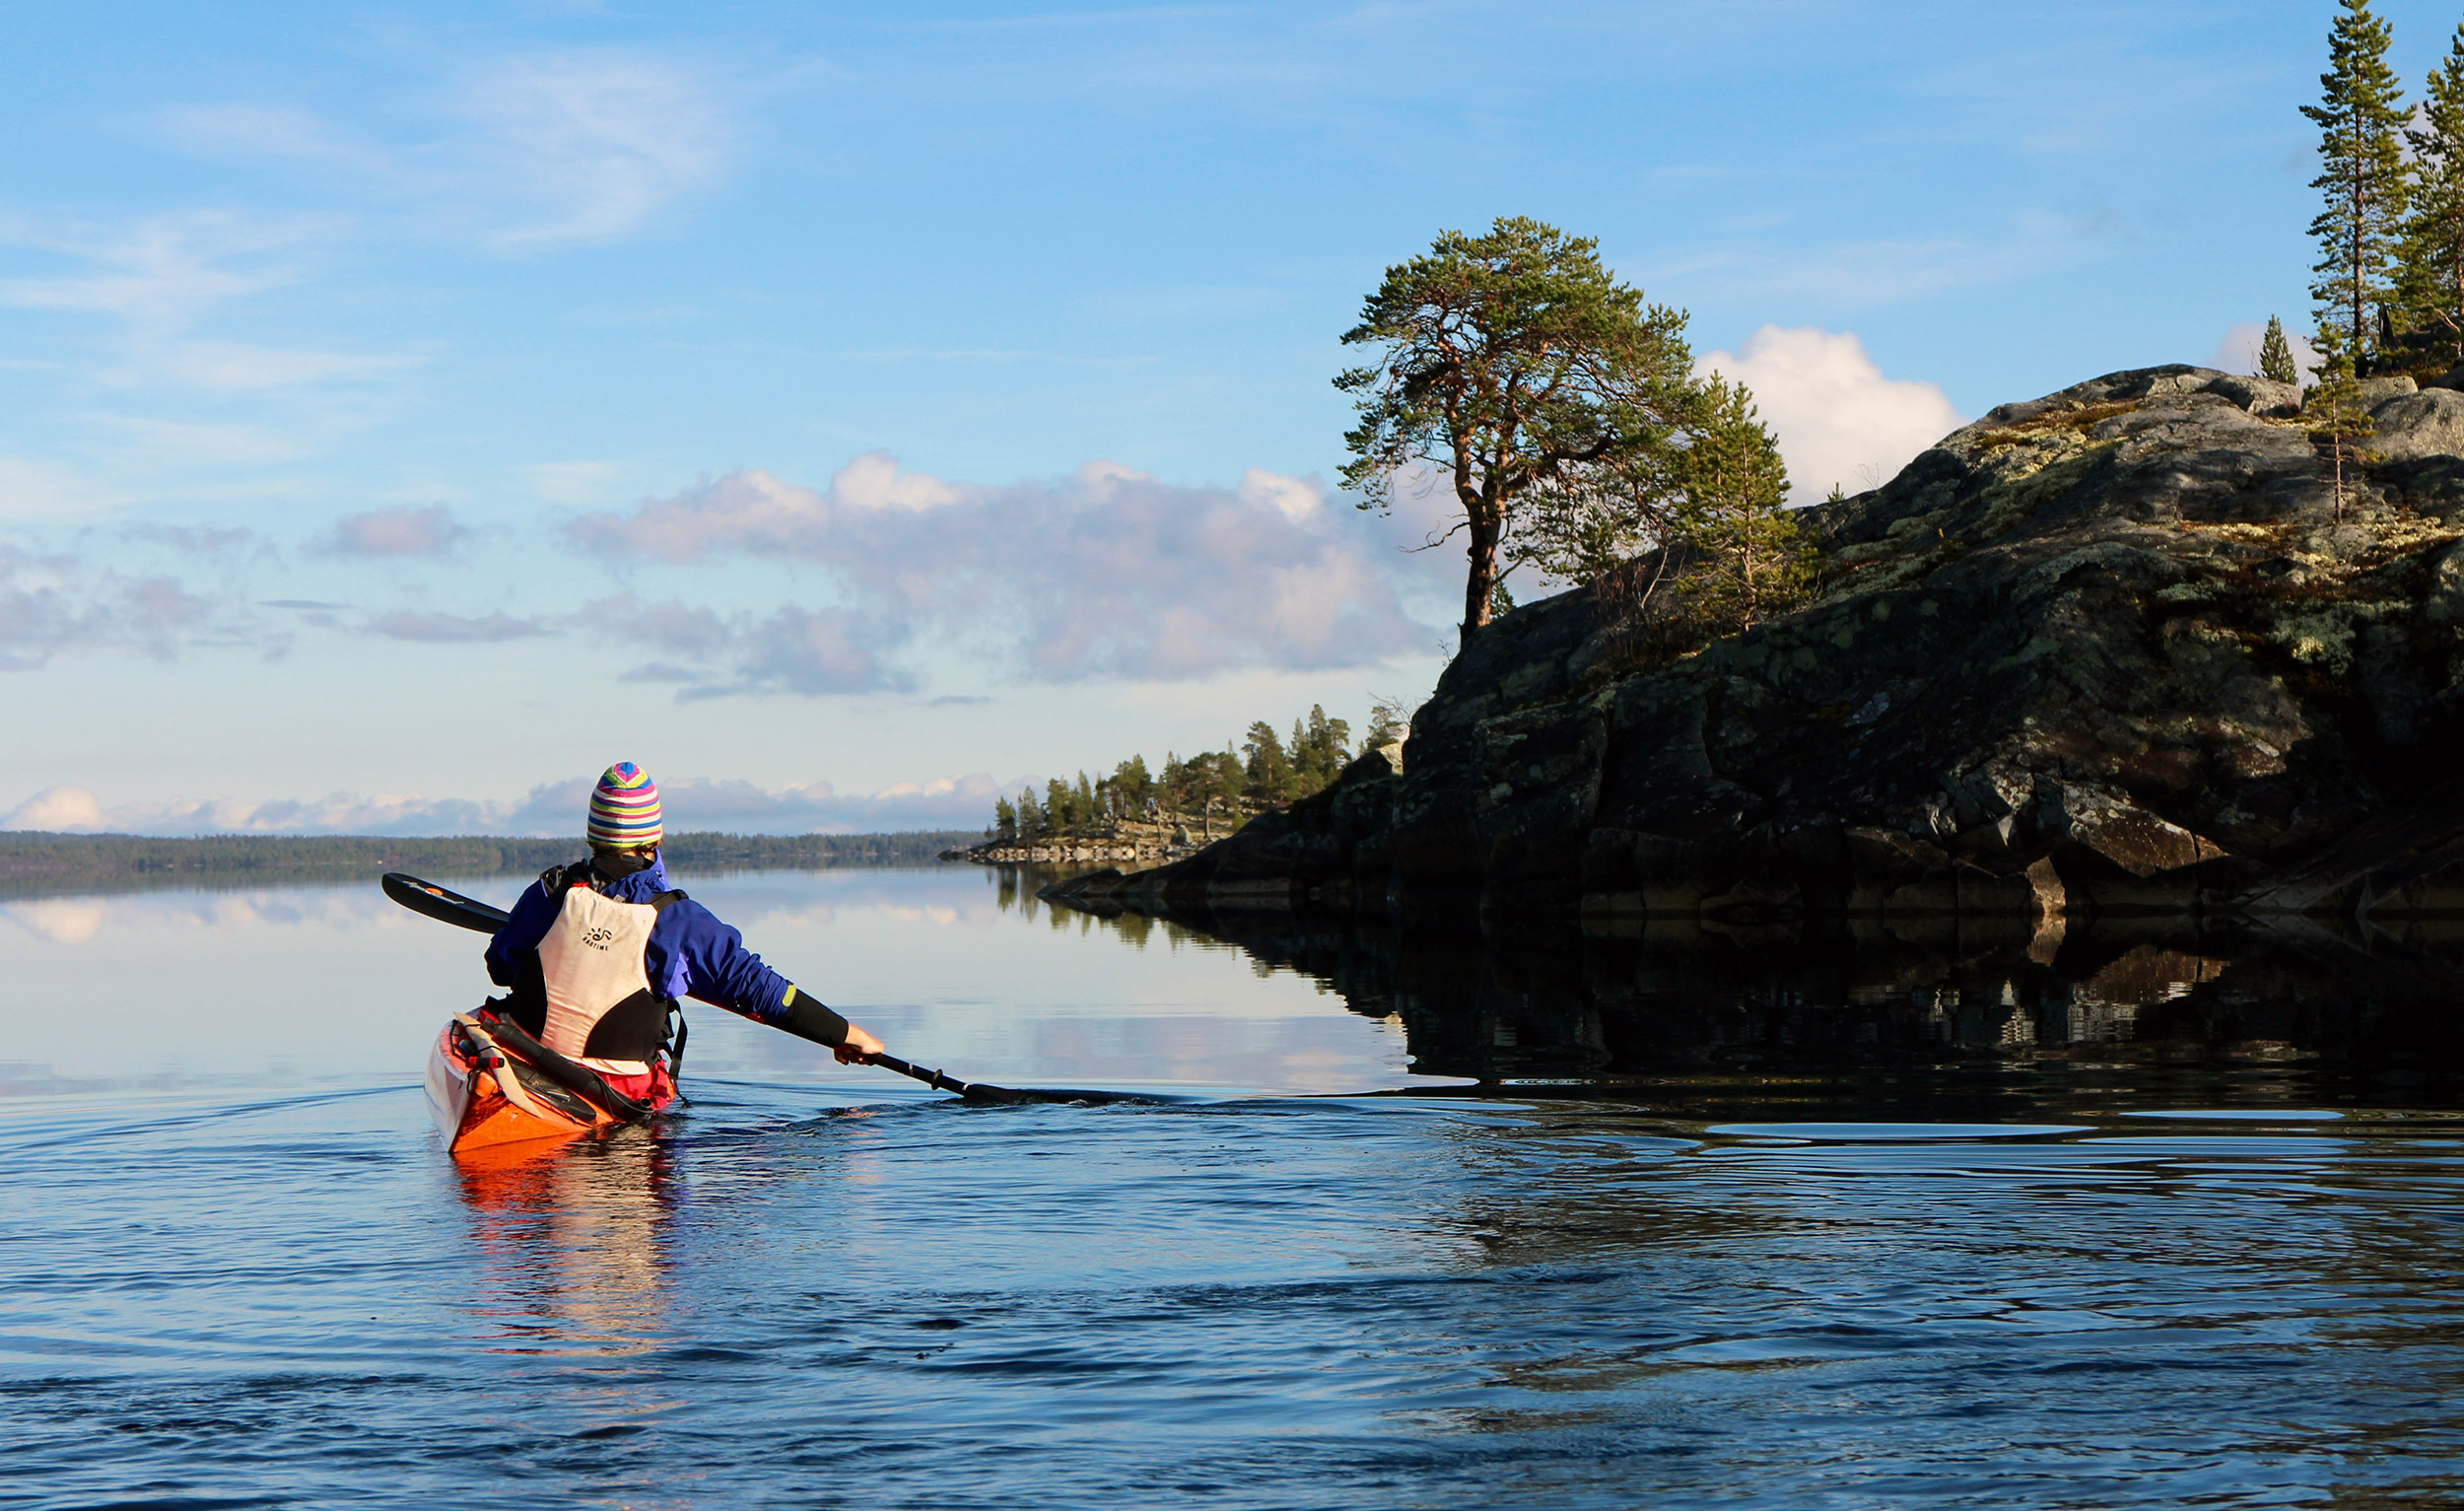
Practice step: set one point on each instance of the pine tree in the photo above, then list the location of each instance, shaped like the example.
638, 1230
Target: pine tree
1325, 746
1736, 511
2359, 117
2430, 285
1387, 724
2333, 414
2276, 355
1269, 769
1004, 819
1507, 363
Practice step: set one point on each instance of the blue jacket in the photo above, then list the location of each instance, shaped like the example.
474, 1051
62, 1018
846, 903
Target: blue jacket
691, 952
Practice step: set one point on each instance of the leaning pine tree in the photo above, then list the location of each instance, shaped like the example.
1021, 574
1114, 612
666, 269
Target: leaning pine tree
2361, 119
2430, 285
1507, 364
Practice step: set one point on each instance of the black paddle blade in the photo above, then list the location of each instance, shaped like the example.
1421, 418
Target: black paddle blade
426, 897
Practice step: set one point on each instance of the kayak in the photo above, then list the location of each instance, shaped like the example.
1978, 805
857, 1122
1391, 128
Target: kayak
490, 1084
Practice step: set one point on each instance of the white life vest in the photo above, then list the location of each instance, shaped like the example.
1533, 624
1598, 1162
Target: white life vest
598, 989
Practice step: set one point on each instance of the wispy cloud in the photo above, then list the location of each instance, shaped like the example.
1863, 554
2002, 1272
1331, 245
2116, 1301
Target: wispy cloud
1856, 275
165, 276
552, 808
596, 144
1106, 572
33, 488
520, 155
405, 624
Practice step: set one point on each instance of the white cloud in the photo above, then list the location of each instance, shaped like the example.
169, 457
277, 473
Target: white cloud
875, 480
59, 809
1838, 419
1106, 572
1297, 498
2238, 352
404, 531
552, 808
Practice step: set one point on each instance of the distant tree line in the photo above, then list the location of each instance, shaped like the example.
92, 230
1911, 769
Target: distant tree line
1264, 769
42, 856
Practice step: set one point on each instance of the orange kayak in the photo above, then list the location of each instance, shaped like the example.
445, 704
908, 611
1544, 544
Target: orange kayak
483, 1093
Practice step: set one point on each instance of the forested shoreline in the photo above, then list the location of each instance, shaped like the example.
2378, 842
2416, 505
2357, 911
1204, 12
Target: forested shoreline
42, 858
1262, 771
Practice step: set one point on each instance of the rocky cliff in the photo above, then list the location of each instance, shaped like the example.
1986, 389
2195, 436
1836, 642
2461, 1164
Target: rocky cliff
2115, 651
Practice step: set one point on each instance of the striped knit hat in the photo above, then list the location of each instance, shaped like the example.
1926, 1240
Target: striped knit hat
624, 808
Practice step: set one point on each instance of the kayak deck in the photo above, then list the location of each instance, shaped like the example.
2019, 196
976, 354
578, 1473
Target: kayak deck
473, 1111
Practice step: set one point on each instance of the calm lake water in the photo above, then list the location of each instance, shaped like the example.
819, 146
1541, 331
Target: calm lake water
1919, 1241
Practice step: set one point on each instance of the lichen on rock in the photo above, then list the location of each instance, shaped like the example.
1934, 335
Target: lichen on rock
2110, 651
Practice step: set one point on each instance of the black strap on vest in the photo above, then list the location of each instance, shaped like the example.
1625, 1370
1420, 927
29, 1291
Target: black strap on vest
579, 1080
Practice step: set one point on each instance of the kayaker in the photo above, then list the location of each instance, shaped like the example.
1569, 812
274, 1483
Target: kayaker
596, 954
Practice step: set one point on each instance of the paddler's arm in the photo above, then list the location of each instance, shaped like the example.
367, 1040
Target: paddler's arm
693, 954
806, 1018
523, 929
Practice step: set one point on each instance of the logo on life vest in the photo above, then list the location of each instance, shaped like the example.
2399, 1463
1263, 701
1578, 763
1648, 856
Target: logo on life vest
598, 936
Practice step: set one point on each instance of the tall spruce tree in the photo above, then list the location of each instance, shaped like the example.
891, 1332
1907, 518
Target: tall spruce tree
2276, 355
2361, 119
2430, 287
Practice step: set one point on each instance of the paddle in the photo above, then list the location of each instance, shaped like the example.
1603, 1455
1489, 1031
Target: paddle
433, 901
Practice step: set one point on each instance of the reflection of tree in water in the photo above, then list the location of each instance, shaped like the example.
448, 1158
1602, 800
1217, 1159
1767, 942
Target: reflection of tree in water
2120, 1006
569, 1234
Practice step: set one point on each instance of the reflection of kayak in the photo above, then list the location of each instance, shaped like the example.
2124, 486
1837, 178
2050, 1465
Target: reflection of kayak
491, 1083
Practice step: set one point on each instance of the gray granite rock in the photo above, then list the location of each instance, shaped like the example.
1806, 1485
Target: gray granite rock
2429, 422
2376, 391
2115, 651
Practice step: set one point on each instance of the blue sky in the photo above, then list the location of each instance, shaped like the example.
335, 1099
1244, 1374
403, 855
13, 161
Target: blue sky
845, 409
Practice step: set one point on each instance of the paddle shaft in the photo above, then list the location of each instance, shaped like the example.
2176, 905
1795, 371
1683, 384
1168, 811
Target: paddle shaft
972, 1090
433, 901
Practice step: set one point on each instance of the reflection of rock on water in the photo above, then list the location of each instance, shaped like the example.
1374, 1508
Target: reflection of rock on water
1500, 1001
